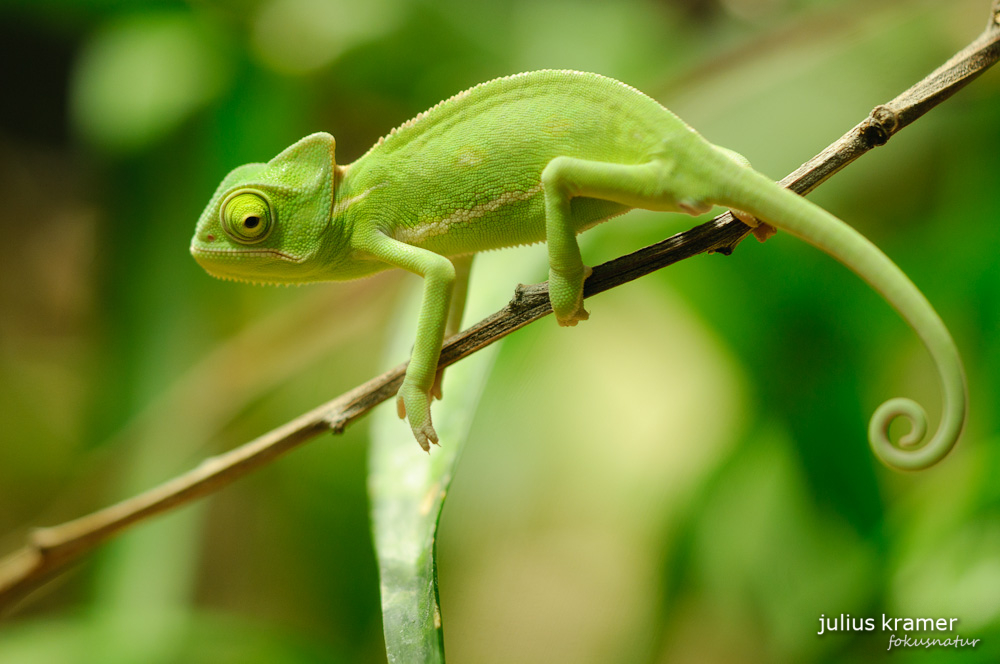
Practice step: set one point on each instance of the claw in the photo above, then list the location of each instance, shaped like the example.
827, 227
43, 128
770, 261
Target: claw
422, 441
418, 413
436, 390
761, 230
764, 231
426, 435
577, 316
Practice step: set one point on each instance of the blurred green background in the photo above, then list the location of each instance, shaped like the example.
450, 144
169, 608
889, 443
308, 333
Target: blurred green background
684, 478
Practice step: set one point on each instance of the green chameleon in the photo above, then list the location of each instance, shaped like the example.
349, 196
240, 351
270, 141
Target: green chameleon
539, 156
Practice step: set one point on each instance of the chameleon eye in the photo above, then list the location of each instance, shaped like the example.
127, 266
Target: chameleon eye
247, 216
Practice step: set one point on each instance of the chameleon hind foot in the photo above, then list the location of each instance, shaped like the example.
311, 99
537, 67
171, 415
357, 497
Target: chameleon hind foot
567, 298
574, 318
414, 404
762, 230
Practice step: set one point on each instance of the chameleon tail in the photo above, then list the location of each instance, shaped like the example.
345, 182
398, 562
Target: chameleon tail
752, 192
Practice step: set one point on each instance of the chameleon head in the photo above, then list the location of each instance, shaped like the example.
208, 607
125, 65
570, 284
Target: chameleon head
270, 223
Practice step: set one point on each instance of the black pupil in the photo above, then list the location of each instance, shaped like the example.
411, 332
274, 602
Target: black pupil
251, 222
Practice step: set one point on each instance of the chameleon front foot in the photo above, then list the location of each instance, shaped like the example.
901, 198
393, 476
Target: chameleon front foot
436, 390
414, 404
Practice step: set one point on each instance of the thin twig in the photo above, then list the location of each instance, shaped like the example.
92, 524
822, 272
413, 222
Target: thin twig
49, 550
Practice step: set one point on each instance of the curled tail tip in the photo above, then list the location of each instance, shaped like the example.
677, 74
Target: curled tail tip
909, 453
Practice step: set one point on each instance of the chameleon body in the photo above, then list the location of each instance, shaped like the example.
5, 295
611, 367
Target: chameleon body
540, 156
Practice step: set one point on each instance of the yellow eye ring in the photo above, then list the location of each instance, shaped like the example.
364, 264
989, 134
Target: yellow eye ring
247, 216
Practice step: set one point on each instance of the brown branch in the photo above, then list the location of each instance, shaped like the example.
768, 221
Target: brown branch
49, 550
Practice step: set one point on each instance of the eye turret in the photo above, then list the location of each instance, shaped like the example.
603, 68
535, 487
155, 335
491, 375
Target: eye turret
247, 216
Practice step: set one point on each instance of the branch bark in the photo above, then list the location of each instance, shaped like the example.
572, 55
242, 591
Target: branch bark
50, 550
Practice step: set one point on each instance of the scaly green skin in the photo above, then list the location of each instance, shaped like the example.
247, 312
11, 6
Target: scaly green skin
540, 156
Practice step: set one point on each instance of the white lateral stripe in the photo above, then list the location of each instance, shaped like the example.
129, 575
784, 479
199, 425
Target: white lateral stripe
343, 205
429, 229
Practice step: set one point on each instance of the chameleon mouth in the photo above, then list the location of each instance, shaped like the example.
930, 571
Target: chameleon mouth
200, 251
224, 264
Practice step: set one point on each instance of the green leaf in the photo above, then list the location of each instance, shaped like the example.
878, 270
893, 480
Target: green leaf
408, 487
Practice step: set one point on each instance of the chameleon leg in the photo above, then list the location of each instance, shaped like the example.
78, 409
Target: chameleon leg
414, 398
761, 230
648, 186
459, 294
566, 269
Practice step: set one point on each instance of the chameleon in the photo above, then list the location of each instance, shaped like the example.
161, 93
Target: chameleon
532, 157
